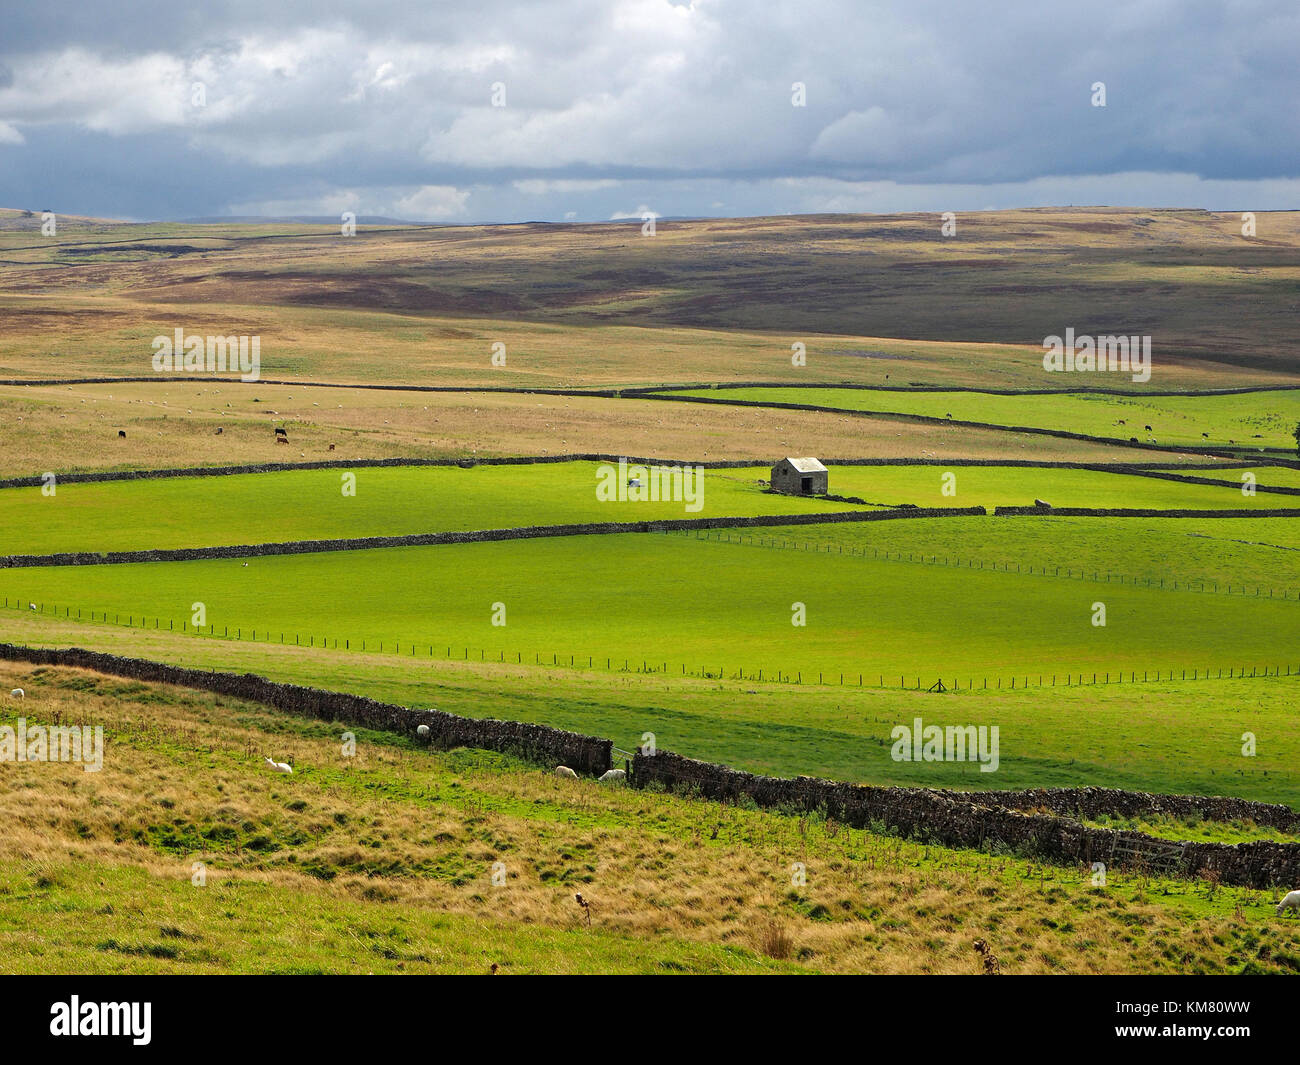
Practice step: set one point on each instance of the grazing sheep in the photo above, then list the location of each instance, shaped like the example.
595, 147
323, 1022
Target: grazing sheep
280, 767
422, 730
331, 447
31, 606
1205, 436
122, 433
947, 415
281, 432
219, 431
565, 771
1291, 902
1132, 439
1042, 503
281, 439
613, 776
18, 693
1121, 422
1147, 428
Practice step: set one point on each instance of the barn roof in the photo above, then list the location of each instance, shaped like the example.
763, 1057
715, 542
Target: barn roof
808, 465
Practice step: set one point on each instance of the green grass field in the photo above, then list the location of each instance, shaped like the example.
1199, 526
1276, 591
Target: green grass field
1277, 476
1167, 736
1250, 556
312, 504
384, 862
672, 601
992, 486
1246, 420
779, 649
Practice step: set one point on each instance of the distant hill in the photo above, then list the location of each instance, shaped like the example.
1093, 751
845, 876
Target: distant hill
298, 219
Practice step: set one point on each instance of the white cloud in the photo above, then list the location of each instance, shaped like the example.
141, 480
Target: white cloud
641, 212
433, 203
562, 186
931, 99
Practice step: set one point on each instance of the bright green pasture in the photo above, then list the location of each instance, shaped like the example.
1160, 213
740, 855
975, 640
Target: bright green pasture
673, 601
310, 504
1250, 553
1274, 476
995, 486
1178, 737
1249, 419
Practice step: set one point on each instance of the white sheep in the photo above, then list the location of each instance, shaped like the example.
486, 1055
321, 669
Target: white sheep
422, 730
613, 776
1291, 902
565, 771
280, 767
18, 693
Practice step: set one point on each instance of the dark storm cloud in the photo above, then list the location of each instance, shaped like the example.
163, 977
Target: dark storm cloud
623, 106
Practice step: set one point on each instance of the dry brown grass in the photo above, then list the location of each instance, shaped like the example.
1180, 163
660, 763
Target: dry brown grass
74, 428
420, 832
711, 300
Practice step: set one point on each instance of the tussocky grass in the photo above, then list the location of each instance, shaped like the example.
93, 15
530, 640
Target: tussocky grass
383, 862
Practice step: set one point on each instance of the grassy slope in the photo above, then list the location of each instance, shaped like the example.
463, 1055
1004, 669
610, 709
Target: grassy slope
717, 300
310, 504
1250, 555
1166, 736
991, 486
72, 428
700, 604
1250, 419
704, 302
382, 863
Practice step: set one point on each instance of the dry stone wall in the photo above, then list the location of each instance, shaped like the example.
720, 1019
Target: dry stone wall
1006, 821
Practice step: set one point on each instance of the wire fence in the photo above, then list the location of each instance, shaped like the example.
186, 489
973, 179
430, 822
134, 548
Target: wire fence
1209, 587
874, 679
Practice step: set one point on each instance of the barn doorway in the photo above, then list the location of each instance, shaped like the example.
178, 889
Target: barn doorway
805, 485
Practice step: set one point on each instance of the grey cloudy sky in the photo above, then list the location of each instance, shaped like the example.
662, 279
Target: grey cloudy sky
616, 107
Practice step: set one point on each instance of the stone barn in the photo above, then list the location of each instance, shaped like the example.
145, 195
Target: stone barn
800, 477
